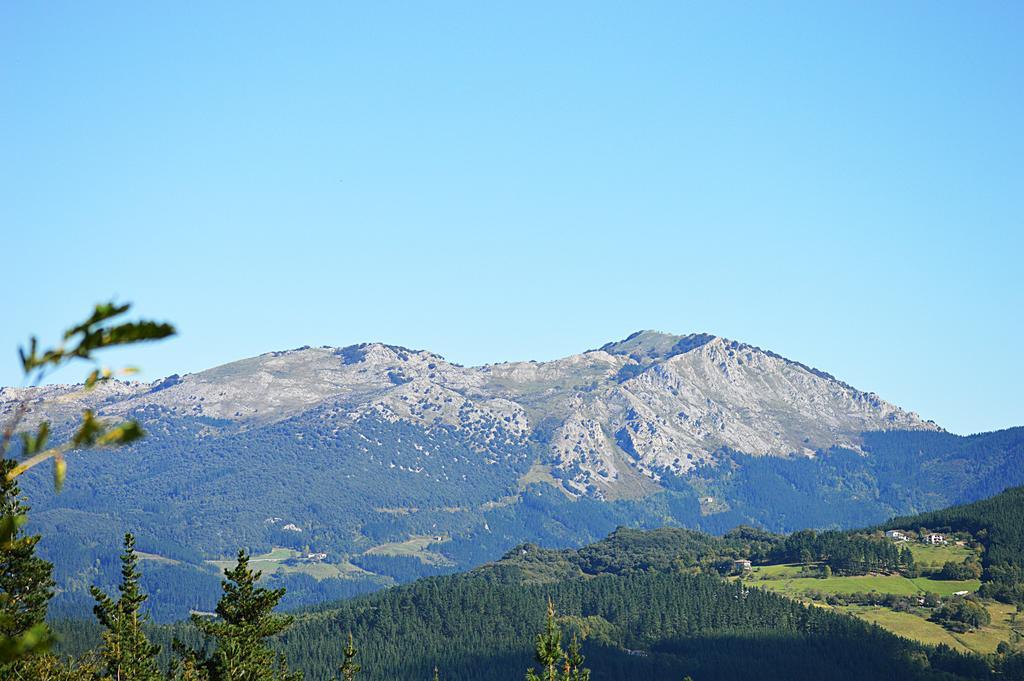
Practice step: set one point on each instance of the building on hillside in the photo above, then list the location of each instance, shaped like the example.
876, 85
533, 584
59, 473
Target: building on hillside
896, 535
934, 539
741, 565
316, 556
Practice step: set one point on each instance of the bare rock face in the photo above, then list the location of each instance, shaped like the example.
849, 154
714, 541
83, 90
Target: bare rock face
686, 398
651, 405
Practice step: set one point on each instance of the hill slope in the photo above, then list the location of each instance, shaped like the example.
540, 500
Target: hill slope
999, 523
652, 603
656, 626
635, 599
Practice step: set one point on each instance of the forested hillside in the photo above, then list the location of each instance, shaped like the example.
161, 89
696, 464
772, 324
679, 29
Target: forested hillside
673, 601
998, 523
660, 626
652, 603
896, 473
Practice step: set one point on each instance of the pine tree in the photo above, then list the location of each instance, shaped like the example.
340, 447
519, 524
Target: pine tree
50, 667
245, 620
573, 665
910, 566
26, 582
548, 649
126, 651
187, 664
551, 657
349, 668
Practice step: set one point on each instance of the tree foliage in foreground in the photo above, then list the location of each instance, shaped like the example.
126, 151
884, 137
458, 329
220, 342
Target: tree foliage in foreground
26, 584
556, 663
245, 621
126, 651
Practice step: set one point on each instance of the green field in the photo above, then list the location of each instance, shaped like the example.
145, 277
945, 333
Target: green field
538, 473
267, 562
983, 641
272, 562
415, 547
156, 558
906, 624
786, 579
1002, 628
933, 557
777, 571
945, 587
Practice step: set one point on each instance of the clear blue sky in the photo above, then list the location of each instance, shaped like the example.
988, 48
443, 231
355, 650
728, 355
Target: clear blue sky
843, 184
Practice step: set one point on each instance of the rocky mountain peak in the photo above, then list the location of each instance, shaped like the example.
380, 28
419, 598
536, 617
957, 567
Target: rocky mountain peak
644, 346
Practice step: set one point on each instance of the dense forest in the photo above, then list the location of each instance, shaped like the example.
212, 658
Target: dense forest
897, 473
663, 625
642, 617
846, 553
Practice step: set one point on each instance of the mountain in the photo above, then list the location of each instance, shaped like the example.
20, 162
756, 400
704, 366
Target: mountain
397, 464
612, 420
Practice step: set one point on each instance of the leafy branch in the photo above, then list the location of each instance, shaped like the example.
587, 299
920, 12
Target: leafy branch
104, 328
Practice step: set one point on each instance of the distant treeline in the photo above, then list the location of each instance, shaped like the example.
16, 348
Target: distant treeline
846, 553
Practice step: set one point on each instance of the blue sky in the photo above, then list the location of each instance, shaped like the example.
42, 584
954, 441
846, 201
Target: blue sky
840, 184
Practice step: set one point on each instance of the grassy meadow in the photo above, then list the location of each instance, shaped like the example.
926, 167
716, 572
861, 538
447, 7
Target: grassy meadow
792, 581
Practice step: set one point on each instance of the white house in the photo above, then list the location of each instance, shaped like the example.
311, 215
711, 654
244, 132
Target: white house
934, 539
896, 535
741, 565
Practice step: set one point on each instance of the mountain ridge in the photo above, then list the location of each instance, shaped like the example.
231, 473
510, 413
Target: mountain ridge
656, 403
